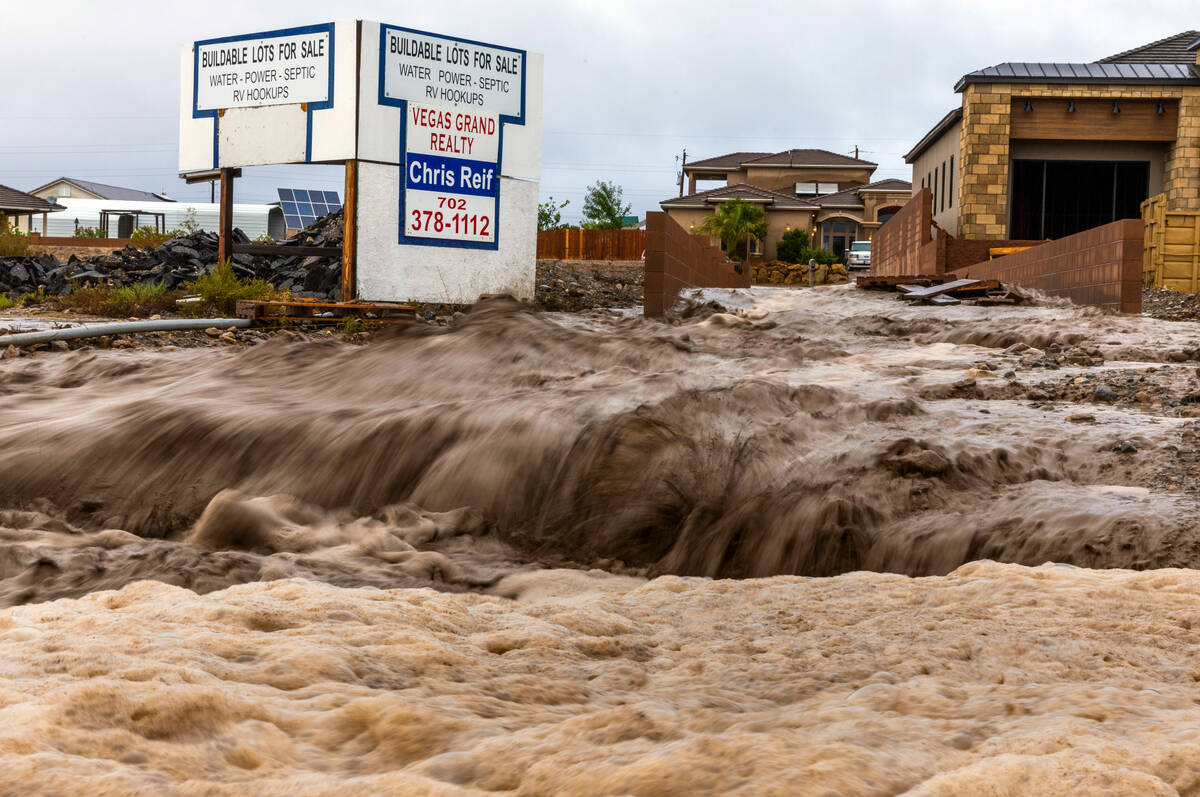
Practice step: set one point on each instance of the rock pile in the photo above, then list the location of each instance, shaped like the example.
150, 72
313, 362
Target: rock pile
1170, 305
777, 272
181, 260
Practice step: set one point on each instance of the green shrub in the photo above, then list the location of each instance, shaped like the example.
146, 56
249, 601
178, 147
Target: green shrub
148, 237
139, 299
89, 232
13, 242
792, 246
30, 299
221, 289
5, 301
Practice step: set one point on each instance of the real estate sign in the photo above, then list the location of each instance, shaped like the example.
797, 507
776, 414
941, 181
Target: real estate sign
446, 133
277, 68
451, 175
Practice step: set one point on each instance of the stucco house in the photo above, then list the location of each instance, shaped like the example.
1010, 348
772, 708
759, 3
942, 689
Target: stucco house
75, 188
1045, 150
828, 194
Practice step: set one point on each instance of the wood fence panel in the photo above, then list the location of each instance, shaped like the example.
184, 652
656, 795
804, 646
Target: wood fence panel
591, 244
1171, 258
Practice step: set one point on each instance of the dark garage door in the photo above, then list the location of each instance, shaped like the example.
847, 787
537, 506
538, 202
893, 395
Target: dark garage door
1056, 198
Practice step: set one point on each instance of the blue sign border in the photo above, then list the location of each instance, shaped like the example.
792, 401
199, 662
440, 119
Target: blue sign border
403, 159
327, 27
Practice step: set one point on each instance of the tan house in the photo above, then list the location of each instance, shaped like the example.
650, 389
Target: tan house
829, 195
1045, 150
72, 187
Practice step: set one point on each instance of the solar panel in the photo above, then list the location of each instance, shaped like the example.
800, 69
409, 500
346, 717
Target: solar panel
303, 206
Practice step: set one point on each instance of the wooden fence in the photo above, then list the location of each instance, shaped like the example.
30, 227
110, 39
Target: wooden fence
1171, 257
591, 244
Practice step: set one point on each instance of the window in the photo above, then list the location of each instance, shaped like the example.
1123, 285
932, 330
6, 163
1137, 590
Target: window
933, 184
951, 199
64, 190
837, 235
943, 185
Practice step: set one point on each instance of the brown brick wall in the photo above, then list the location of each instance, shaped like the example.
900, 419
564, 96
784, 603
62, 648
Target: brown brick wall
1101, 266
904, 246
676, 259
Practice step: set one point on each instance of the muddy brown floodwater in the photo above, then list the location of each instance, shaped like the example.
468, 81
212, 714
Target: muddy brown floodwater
757, 552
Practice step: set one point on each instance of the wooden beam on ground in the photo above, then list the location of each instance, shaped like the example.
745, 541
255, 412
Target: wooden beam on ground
283, 250
938, 290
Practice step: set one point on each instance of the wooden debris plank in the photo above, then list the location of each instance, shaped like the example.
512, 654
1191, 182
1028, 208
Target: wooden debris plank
937, 290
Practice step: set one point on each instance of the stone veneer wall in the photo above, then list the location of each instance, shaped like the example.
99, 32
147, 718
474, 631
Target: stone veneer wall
984, 156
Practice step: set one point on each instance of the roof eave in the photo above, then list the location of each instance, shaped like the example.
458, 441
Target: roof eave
858, 165
967, 80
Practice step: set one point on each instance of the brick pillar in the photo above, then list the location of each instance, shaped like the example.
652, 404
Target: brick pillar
1181, 179
984, 162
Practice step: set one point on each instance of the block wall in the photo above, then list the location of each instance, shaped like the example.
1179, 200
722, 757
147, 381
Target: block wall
1101, 267
676, 259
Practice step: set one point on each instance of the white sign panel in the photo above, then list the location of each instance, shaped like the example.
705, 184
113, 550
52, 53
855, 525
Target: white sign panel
280, 68
451, 174
441, 70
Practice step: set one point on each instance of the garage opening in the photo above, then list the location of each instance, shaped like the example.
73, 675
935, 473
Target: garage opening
1053, 198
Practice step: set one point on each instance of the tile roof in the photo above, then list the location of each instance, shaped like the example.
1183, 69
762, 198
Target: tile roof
1177, 49
890, 184
1082, 73
114, 192
948, 121
741, 191
13, 200
808, 157
788, 157
730, 161
849, 198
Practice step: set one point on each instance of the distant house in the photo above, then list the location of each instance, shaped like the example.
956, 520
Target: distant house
829, 195
17, 209
1045, 150
74, 188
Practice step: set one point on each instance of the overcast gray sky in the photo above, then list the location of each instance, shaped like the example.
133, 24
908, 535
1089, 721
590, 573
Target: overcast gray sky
90, 89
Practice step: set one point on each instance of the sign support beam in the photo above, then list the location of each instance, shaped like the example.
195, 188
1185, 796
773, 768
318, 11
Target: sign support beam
225, 233
350, 232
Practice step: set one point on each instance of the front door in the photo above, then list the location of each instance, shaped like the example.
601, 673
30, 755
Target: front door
837, 235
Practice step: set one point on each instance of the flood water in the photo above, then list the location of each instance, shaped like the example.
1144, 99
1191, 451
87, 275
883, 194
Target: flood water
795, 544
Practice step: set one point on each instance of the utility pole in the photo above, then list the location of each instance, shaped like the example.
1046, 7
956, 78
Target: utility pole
856, 152
683, 163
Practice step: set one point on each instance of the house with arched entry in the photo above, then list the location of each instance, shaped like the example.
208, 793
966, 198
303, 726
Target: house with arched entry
829, 195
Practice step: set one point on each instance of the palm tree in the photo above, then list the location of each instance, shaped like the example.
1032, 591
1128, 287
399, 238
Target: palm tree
736, 222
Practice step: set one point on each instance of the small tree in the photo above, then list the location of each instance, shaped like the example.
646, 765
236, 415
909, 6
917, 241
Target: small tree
792, 246
604, 206
550, 214
736, 223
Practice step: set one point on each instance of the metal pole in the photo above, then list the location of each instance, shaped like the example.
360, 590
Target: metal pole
812, 266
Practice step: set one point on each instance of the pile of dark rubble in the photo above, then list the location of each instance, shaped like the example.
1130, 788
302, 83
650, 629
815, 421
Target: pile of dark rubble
1171, 305
181, 260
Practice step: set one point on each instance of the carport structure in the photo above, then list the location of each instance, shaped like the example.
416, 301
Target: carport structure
14, 204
